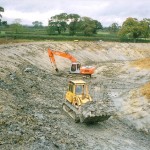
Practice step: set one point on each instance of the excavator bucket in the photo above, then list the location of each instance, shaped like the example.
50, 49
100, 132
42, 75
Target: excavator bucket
56, 70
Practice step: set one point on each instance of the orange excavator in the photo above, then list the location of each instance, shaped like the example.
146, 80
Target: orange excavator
75, 68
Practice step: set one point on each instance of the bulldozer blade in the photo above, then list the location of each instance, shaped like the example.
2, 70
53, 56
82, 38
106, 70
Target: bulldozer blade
87, 113
92, 112
94, 119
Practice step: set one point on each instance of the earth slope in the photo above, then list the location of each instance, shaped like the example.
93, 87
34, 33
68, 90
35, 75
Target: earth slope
31, 95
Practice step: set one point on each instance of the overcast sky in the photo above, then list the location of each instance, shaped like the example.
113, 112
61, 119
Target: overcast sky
105, 11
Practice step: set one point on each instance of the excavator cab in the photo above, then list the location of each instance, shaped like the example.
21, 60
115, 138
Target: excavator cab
75, 68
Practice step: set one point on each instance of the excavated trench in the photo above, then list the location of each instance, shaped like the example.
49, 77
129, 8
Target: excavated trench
31, 97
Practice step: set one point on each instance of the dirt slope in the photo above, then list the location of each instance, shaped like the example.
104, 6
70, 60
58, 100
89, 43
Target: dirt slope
31, 115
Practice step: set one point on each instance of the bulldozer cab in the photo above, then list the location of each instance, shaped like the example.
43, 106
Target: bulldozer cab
75, 68
77, 92
78, 87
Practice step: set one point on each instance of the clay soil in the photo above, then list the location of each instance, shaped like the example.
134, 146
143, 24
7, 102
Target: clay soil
31, 96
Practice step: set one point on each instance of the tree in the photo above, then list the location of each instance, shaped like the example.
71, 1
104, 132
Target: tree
3, 23
37, 24
58, 23
1, 10
16, 26
87, 26
98, 26
145, 23
61, 17
73, 25
132, 28
114, 27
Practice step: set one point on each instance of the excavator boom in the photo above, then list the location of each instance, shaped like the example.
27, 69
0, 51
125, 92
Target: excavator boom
51, 54
52, 59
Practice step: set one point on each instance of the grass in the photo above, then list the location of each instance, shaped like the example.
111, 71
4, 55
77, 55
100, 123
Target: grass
11, 40
59, 37
103, 32
41, 34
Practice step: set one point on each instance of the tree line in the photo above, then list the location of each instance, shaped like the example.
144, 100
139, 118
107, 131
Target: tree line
74, 24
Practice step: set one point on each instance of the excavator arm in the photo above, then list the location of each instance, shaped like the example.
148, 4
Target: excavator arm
51, 54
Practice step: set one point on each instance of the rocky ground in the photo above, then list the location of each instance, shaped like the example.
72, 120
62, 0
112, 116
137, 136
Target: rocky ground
31, 97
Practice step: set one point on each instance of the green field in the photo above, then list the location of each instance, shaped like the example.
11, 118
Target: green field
7, 34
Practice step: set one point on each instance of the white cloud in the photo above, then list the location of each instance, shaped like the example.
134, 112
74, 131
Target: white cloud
29, 17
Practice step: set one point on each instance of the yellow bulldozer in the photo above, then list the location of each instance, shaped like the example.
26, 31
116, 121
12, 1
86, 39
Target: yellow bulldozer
81, 107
